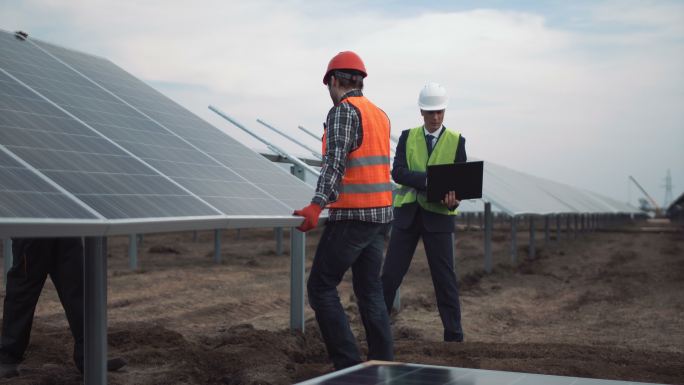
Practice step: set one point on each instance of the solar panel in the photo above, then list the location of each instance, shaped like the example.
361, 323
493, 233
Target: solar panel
250, 181
121, 148
377, 373
87, 165
23, 194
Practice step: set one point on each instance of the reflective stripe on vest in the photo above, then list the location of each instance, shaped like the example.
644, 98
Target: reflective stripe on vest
417, 159
366, 180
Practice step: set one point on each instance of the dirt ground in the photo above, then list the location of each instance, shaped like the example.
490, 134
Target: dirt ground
607, 304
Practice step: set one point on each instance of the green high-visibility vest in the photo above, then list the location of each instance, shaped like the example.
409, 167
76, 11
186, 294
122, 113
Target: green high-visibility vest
417, 159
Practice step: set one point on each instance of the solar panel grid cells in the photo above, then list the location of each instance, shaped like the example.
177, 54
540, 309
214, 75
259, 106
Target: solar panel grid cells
228, 191
73, 155
25, 195
198, 133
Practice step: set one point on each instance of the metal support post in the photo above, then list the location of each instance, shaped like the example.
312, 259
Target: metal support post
546, 230
531, 251
396, 305
558, 227
488, 237
576, 219
95, 310
297, 273
567, 225
514, 240
217, 245
453, 236
279, 240
133, 252
7, 257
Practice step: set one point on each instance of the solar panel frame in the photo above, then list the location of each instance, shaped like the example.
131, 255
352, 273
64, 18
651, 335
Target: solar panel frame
388, 373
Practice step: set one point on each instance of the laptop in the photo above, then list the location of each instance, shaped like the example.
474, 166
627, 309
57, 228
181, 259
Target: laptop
463, 178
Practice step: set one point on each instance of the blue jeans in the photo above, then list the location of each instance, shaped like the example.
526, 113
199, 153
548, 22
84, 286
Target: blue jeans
358, 245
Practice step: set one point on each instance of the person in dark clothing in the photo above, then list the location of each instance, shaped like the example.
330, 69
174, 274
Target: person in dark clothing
355, 185
415, 217
33, 260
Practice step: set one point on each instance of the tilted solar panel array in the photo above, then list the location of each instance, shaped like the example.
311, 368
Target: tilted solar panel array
82, 138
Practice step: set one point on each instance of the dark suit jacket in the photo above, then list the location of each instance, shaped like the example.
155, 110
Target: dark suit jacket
405, 215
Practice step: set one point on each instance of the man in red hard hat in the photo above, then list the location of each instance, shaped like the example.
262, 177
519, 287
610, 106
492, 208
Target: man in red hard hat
355, 185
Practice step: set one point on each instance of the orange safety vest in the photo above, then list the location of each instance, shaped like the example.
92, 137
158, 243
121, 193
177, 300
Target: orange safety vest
366, 180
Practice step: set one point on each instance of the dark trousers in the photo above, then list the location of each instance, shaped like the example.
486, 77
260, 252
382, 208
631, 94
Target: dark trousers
439, 248
33, 260
358, 245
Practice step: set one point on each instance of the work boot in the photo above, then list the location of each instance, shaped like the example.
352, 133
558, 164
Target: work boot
113, 364
8, 366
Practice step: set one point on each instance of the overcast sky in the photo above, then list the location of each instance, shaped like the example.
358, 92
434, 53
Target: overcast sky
582, 92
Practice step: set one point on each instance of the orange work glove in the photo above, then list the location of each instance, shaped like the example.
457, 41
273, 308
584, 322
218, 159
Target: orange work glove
310, 214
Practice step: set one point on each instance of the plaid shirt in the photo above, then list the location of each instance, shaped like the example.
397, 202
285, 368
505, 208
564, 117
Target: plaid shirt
343, 135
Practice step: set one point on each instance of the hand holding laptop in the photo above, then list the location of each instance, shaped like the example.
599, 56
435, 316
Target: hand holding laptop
450, 200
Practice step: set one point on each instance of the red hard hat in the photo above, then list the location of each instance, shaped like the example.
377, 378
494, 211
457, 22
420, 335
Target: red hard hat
345, 60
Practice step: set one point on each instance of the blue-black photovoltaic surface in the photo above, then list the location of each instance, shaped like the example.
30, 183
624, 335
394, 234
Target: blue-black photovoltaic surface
23, 194
222, 171
414, 374
84, 163
124, 149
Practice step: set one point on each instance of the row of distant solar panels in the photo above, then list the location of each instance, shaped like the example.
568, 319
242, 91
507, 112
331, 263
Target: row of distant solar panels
81, 138
517, 193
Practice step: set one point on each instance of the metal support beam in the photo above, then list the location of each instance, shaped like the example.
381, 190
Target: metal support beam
531, 251
95, 310
7, 257
546, 230
133, 252
488, 237
297, 274
514, 240
217, 246
453, 236
396, 305
279, 240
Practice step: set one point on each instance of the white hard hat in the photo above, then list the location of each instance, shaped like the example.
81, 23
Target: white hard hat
433, 97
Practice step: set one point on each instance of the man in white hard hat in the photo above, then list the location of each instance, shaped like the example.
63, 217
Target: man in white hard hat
415, 217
